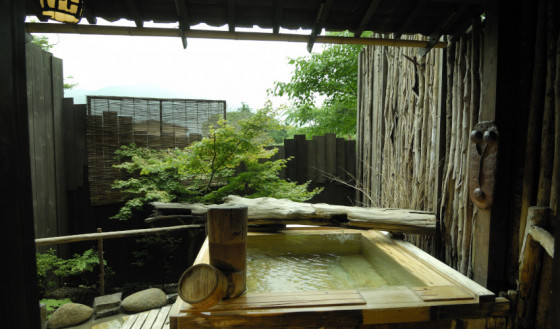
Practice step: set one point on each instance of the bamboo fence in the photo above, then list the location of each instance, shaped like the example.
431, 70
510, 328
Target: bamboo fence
148, 122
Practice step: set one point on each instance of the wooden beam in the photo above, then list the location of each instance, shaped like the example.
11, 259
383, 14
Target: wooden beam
432, 40
449, 19
92, 20
322, 15
109, 235
367, 18
183, 18
264, 211
278, 13
543, 237
135, 12
410, 18
231, 15
254, 36
183, 14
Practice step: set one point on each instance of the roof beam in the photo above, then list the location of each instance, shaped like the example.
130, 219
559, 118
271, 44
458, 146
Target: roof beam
135, 12
367, 18
255, 36
439, 30
231, 15
91, 19
278, 13
322, 15
411, 17
183, 18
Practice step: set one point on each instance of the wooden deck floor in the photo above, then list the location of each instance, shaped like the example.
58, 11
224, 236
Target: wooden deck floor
153, 319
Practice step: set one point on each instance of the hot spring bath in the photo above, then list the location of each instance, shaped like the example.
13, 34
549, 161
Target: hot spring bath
345, 278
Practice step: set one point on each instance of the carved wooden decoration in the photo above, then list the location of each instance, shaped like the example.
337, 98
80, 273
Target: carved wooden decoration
483, 163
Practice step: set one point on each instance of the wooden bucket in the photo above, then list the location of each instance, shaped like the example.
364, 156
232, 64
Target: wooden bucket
202, 286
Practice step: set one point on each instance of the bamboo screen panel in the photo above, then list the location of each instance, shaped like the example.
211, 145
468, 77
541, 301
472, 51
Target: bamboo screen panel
147, 122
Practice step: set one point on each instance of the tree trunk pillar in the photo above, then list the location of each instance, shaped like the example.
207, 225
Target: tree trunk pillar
227, 237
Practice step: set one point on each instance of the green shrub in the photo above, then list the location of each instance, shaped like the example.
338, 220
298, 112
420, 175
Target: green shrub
53, 304
75, 268
233, 160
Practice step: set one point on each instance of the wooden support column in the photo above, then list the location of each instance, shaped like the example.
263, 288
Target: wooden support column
227, 242
19, 274
498, 82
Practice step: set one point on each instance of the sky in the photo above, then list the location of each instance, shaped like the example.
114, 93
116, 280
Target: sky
235, 71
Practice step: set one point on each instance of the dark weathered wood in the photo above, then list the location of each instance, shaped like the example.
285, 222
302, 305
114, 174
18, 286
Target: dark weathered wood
71, 176
135, 11
530, 174
310, 149
109, 235
340, 158
80, 135
366, 18
330, 154
320, 158
58, 129
301, 159
16, 237
49, 164
227, 242
489, 242
350, 157
290, 151
322, 14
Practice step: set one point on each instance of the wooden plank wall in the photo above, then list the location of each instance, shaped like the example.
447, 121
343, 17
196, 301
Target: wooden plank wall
398, 144
46, 139
327, 161
321, 159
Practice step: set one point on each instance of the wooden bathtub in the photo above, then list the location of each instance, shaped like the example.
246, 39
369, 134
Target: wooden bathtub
443, 299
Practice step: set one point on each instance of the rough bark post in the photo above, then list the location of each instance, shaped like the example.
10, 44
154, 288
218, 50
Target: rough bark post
101, 265
529, 269
227, 237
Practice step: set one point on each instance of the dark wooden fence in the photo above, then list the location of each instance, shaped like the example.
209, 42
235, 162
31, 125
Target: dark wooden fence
46, 135
326, 161
57, 139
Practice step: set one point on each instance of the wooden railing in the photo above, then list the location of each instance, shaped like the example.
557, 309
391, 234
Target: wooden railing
99, 236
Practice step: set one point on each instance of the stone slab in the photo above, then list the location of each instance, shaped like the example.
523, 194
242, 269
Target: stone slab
102, 303
107, 312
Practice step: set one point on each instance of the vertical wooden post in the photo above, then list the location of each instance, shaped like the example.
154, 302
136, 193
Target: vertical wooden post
16, 237
529, 268
227, 238
101, 265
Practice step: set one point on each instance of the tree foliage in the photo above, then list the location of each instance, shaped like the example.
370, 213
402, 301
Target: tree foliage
329, 76
276, 129
233, 160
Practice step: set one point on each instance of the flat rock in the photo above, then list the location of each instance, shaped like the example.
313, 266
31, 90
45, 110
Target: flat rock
144, 300
113, 324
70, 314
107, 302
107, 312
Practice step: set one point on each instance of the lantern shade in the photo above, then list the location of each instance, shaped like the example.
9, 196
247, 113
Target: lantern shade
66, 11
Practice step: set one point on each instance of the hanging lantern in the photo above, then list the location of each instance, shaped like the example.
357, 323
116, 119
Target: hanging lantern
66, 11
